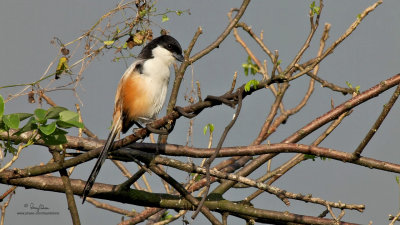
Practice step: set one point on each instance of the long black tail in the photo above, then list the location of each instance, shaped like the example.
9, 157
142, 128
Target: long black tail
102, 157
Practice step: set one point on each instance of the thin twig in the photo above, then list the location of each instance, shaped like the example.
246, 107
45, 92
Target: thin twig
68, 189
9, 191
169, 220
212, 158
394, 219
224, 34
349, 31
126, 173
282, 194
111, 208
3, 208
184, 193
314, 27
140, 217
385, 111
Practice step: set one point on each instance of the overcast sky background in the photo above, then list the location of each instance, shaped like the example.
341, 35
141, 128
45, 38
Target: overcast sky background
369, 55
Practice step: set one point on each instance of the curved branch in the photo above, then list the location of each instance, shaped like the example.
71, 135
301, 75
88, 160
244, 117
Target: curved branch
178, 150
104, 191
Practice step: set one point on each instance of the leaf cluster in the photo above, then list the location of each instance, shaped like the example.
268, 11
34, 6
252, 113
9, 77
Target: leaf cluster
50, 124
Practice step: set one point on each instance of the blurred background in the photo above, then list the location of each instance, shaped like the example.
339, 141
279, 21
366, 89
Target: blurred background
369, 55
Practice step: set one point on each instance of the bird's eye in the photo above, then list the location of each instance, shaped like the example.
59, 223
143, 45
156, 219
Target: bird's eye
170, 46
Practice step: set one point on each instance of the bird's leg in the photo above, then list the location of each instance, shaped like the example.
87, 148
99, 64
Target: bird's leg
135, 129
137, 124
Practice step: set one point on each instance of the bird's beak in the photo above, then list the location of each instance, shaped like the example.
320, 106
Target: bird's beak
178, 57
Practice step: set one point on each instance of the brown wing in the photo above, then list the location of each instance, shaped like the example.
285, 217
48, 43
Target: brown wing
132, 101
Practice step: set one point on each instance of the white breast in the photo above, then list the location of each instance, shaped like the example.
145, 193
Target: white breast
156, 73
155, 76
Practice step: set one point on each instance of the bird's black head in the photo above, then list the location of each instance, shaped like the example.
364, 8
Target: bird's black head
165, 41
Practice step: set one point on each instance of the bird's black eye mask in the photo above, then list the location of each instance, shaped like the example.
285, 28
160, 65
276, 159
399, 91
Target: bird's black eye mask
172, 47
164, 41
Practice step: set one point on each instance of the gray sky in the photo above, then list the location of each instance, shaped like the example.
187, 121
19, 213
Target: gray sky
369, 55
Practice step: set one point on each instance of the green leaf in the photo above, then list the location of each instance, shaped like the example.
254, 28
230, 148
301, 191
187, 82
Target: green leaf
246, 69
349, 85
40, 115
314, 9
358, 89
54, 112
198, 177
67, 116
313, 157
397, 180
24, 116
69, 124
1, 106
211, 126
12, 120
251, 83
108, 43
69, 119
317, 9
30, 125
250, 66
248, 60
48, 129
165, 216
164, 18
247, 87
254, 69
10, 148
56, 138
307, 156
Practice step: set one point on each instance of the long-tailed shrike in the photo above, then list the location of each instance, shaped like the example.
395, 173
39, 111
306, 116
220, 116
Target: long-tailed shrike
140, 94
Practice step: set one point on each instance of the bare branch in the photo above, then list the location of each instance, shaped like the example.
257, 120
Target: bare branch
185, 193
385, 111
104, 191
111, 208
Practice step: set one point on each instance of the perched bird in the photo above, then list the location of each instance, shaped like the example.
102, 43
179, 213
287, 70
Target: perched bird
140, 94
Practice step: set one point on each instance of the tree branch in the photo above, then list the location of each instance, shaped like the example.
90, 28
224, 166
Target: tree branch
104, 191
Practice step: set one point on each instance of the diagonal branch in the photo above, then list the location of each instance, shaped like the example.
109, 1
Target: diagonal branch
347, 33
385, 111
314, 125
104, 191
224, 34
184, 193
282, 194
178, 150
